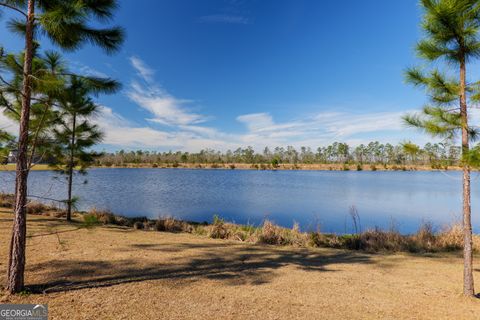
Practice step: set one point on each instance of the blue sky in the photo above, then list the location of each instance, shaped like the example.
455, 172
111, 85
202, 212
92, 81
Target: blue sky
228, 73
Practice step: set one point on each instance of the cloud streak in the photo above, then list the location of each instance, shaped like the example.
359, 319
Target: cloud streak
144, 71
164, 108
171, 124
225, 18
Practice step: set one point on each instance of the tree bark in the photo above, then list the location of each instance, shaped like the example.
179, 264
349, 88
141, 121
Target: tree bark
468, 285
16, 263
70, 168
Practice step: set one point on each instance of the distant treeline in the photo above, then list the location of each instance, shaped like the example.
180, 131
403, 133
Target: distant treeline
434, 154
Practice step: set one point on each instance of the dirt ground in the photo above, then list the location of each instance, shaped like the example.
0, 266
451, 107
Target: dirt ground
116, 273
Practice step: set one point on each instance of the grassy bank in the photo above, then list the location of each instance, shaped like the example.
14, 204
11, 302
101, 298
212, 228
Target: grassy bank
37, 167
426, 239
108, 270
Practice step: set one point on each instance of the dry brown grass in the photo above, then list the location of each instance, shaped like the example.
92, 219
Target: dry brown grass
450, 238
7, 200
111, 272
172, 225
33, 207
375, 240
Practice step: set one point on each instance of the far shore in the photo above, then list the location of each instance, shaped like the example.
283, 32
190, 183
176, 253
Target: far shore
260, 166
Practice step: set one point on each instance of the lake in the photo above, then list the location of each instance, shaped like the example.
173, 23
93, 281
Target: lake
311, 198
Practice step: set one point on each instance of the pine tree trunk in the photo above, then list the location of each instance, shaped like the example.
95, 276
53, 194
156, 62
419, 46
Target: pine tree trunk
16, 263
70, 168
69, 201
468, 286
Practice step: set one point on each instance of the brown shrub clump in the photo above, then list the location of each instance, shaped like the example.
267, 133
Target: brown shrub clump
7, 200
138, 225
173, 225
219, 229
102, 216
276, 235
33, 207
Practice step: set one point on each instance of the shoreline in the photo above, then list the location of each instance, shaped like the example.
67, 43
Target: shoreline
260, 167
424, 240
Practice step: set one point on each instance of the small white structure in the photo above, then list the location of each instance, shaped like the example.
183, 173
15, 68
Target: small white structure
12, 156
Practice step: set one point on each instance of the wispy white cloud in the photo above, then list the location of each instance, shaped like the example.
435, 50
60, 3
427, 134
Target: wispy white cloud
165, 108
87, 71
231, 12
122, 133
225, 18
144, 71
318, 129
171, 124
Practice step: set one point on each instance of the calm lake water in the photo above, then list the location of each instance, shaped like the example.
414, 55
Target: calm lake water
310, 198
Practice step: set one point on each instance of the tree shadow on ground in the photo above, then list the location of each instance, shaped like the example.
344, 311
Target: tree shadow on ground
229, 263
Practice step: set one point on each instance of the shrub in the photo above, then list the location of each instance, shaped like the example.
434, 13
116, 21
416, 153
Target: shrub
35, 207
232, 166
7, 200
352, 241
138, 225
219, 229
424, 239
172, 225
296, 237
270, 234
359, 167
200, 230
316, 239
275, 235
377, 240
451, 239
104, 217
89, 220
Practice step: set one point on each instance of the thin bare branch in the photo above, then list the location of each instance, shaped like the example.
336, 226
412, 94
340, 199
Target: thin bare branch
6, 5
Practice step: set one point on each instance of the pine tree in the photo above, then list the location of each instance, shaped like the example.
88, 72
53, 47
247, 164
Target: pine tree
451, 35
75, 134
66, 24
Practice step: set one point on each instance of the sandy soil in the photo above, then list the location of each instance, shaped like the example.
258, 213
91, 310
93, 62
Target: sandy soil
116, 273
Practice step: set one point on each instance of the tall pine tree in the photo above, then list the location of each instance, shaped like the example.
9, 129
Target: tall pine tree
451, 36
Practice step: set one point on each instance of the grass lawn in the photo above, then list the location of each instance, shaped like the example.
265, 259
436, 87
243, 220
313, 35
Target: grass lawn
11, 167
114, 272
